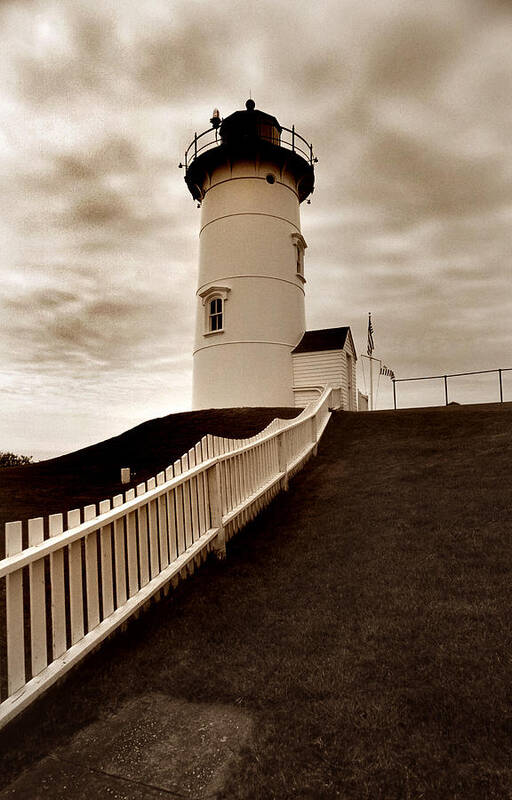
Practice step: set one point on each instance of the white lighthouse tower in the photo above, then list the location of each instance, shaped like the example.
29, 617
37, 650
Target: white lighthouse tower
250, 176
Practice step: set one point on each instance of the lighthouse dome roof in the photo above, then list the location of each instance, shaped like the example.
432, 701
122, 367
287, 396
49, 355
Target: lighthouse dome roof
250, 123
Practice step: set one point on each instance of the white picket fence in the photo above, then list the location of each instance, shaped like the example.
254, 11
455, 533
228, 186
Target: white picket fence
83, 582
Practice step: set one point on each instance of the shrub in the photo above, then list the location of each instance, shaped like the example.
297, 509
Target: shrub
13, 460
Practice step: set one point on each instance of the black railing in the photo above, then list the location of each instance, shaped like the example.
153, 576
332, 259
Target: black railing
291, 141
444, 378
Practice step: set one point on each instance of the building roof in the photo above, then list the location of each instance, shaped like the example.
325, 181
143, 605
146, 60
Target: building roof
324, 339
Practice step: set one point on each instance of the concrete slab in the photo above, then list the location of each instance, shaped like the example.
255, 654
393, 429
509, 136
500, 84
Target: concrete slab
155, 746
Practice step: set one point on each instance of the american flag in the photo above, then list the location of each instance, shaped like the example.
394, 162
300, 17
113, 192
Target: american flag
371, 346
387, 371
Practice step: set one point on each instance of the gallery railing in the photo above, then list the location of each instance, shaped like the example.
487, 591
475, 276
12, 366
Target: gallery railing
289, 139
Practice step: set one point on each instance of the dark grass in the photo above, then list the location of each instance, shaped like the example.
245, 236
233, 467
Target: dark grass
363, 622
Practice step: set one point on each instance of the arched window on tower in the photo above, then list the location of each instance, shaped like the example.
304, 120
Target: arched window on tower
214, 302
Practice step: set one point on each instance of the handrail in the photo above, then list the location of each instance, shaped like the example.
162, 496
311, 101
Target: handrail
444, 378
308, 389
453, 375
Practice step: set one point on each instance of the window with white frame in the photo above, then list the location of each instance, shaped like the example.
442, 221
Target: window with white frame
214, 302
215, 314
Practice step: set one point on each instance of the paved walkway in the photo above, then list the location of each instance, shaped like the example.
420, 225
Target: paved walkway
154, 746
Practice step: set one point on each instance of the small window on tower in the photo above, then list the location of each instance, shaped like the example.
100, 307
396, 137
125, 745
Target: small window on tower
215, 315
300, 245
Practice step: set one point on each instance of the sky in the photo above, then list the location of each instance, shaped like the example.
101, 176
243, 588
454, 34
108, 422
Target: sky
408, 108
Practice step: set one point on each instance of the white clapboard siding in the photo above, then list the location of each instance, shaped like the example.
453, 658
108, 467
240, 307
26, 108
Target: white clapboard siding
317, 369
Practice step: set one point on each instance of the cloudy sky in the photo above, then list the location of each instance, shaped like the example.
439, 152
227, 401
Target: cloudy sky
408, 105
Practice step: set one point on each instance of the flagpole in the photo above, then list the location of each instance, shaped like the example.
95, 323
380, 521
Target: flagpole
371, 383
382, 371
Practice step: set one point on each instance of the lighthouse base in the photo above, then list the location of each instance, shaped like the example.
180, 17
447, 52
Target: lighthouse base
239, 374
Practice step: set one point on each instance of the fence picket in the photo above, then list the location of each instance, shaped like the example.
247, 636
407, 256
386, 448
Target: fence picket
153, 532
200, 491
58, 598
131, 547
142, 524
171, 516
238, 481
76, 596
163, 535
223, 479
180, 518
107, 578
194, 508
119, 555
243, 475
38, 648
91, 572
255, 477
14, 611
186, 503
204, 454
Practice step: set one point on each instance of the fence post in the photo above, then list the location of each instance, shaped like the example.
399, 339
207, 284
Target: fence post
446, 389
283, 460
314, 437
335, 399
215, 502
394, 393
501, 386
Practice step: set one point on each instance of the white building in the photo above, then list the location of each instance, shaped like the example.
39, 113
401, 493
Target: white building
321, 357
250, 175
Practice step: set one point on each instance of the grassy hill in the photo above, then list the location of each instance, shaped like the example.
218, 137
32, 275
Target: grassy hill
362, 624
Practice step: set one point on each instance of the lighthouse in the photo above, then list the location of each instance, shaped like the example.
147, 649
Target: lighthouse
249, 174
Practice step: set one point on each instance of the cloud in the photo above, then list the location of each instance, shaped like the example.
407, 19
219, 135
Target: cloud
406, 104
